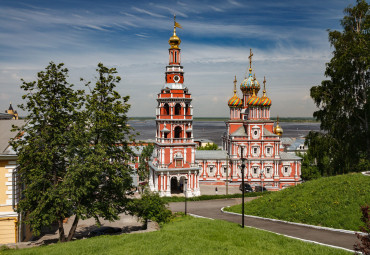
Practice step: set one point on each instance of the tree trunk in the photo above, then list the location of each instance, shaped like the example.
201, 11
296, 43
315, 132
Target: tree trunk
73, 229
62, 237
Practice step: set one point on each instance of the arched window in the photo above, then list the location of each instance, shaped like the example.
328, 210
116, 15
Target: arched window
178, 132
166, 108
175, 56
177, 109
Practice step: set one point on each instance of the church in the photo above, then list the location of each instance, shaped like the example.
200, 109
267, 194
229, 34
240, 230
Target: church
178, 167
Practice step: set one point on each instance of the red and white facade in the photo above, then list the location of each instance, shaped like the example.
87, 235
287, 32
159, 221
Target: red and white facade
174, 152
175, 158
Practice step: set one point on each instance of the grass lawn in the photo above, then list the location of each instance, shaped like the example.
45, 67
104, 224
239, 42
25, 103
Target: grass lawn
332, 202
212, 197
188, 235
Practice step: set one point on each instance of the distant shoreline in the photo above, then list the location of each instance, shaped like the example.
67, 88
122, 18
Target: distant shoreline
281, 119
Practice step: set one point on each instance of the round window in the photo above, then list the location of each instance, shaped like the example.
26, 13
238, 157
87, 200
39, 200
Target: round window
176, 78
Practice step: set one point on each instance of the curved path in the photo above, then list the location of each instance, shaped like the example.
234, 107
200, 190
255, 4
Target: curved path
212, 209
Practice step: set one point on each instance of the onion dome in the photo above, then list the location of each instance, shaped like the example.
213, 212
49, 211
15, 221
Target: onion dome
235, 101
265, 101
248, 83
278, 130
174, 40
254, 100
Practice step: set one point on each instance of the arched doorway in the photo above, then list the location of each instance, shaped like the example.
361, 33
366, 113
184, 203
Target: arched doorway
166, 109
175, 186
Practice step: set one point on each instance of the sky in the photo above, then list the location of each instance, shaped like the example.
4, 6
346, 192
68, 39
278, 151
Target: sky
289, 40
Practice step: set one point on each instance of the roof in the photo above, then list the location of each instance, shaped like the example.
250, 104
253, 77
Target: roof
268, 133
240, 132
289, 156
296, 144
6, 134
286, 140
216, 154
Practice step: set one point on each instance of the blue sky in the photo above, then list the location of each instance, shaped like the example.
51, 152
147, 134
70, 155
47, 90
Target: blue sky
288, 38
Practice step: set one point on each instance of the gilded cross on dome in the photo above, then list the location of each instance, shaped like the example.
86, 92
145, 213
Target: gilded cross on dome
235, 85
264, 83
250, 58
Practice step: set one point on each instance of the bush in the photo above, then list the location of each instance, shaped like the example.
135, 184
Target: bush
150, 207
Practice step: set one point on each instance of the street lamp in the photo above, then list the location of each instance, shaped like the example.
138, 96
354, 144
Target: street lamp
243, 166
186, 195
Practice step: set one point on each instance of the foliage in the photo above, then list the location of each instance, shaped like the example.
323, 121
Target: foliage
212, 197
330, 201
150, 207
143, 168
42, 151
344, 99
364, 244
72, 158
188, 235
209, 147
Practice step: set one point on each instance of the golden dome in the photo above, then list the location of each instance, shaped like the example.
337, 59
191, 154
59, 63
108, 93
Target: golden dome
278, 130
174, 40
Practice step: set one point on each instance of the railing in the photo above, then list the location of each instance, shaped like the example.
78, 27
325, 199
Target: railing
175, 140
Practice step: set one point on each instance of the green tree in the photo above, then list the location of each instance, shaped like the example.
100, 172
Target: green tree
150, 207
99, 174
209, 147
343, 99
42, 151
73, 157
143, 168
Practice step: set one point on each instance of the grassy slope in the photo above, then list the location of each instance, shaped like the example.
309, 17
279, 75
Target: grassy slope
188, 236
331, 202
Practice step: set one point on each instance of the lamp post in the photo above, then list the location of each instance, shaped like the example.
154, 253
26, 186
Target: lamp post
243, 166
186, 195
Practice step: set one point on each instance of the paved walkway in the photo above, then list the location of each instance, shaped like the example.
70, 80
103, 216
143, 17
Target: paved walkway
212, 209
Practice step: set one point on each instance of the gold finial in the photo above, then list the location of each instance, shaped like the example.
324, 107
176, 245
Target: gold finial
235, 85
264, 85
250, 58
254, 93
175, 40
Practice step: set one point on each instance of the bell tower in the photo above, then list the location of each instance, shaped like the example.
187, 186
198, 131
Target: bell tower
173, 169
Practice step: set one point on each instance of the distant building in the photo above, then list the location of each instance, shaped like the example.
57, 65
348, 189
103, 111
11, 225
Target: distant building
10, 230
177, 166
10, 113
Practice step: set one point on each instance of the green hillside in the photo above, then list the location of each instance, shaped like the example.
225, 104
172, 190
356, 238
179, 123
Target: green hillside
332, 202
188, 235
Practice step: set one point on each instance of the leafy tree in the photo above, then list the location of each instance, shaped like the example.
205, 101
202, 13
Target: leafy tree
143, 168
99, 173
73, 157
343, 99
208, 147
150, 207
51, 104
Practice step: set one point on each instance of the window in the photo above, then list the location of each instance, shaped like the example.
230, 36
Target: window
225, 169
187, 109
178, 131
286, 169
211, 169
255, 170
255, 132
178, 163
255, 150
165, 135
268, 150
177, 109
268, 170
166, 109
